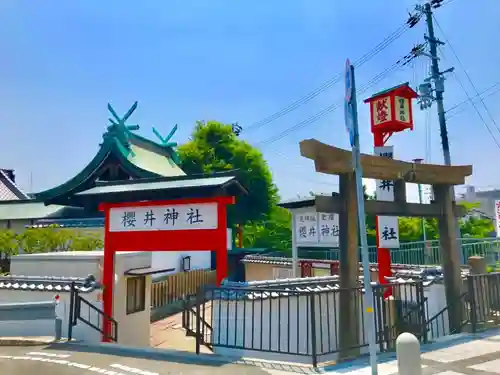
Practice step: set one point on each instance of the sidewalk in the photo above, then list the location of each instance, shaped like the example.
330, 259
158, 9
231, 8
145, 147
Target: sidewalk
463, 354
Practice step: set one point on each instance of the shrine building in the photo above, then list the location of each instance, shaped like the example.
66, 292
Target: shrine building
126, 167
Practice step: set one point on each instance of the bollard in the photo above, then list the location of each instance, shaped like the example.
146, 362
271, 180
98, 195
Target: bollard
408, 354
58, 334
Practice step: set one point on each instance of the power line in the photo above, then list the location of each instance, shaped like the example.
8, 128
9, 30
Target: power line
328, 109
469, 99
461, 105
466, 74
332, 81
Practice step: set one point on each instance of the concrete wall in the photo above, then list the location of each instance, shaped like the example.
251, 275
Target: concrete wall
133, 329
46, 327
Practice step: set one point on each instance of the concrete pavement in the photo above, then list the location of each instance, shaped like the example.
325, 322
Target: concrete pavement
51, 360
460, 355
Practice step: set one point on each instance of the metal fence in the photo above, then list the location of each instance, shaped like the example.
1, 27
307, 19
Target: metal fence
303, 321
419, 252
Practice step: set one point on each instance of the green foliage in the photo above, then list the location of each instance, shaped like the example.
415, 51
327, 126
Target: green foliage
275, 232
42, 240
214, 147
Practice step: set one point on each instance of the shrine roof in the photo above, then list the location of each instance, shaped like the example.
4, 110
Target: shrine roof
162, 188
404, 87
26, 209
136, 155
303, 202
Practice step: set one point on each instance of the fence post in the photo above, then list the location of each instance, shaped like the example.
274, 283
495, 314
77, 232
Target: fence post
71, 311
423, 312
408, 354
312, 316
198, 323
472, 299
58, 328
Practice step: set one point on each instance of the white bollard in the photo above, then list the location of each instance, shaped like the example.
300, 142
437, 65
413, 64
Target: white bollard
408, 354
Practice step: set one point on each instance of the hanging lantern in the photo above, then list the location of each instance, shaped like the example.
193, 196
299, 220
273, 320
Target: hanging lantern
391, 110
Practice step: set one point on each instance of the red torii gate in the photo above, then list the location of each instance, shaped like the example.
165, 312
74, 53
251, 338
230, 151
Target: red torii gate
163, 226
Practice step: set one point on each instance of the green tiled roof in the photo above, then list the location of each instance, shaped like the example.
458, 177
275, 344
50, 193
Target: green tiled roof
139, 157
23, 210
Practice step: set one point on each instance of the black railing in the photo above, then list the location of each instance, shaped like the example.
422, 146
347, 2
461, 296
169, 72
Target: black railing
301, 321
304, 319
82, 310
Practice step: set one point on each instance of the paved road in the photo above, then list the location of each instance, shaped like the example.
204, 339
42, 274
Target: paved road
44, 360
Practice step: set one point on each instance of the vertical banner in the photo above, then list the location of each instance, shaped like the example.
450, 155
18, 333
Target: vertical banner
497, 217
388, 227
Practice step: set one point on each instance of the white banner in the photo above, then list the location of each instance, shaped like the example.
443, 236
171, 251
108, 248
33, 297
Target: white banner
497, 217
174, 217
388, 227
316, 228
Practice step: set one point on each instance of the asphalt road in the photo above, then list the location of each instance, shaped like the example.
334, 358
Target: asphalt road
45, 360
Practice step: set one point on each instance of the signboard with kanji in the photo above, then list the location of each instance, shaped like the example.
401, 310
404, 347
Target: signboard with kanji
316, 229
403, 109
382, 110
391, 110
388, 226
174, 217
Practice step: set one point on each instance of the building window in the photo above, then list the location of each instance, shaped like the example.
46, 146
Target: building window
186, 263
136, 294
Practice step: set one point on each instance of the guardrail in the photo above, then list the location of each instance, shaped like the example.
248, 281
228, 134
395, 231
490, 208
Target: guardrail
419, 252
32, 311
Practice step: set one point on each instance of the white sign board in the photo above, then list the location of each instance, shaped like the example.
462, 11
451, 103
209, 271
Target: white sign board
316, 228
388, 226
173, 217
497, 216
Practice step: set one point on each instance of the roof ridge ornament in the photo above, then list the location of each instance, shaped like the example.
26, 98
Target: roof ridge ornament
165, 142
119, 129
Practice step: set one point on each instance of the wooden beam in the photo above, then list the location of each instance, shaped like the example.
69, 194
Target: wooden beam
333, 160
336, 204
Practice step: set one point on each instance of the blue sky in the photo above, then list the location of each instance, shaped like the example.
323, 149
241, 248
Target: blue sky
62, 61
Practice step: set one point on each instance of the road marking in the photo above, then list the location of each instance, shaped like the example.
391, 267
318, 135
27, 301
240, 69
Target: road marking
132, 370
54, 355
68, 363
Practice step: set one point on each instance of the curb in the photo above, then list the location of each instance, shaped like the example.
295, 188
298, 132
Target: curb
26, 341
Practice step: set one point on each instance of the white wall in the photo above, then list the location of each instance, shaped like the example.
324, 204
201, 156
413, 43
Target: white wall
283, 324
133, 329
172, 259
47, 327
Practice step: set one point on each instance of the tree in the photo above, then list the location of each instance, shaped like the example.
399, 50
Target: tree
275, 232
214, 147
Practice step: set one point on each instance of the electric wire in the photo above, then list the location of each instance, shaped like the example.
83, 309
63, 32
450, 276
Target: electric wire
466, 73
332, 81
462, 105
379, 77
469, 99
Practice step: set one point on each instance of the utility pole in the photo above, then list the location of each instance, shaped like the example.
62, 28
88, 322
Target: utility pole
434, 93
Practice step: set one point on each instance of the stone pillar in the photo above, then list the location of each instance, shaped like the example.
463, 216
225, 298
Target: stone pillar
350, 296
450, 254
479, 290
